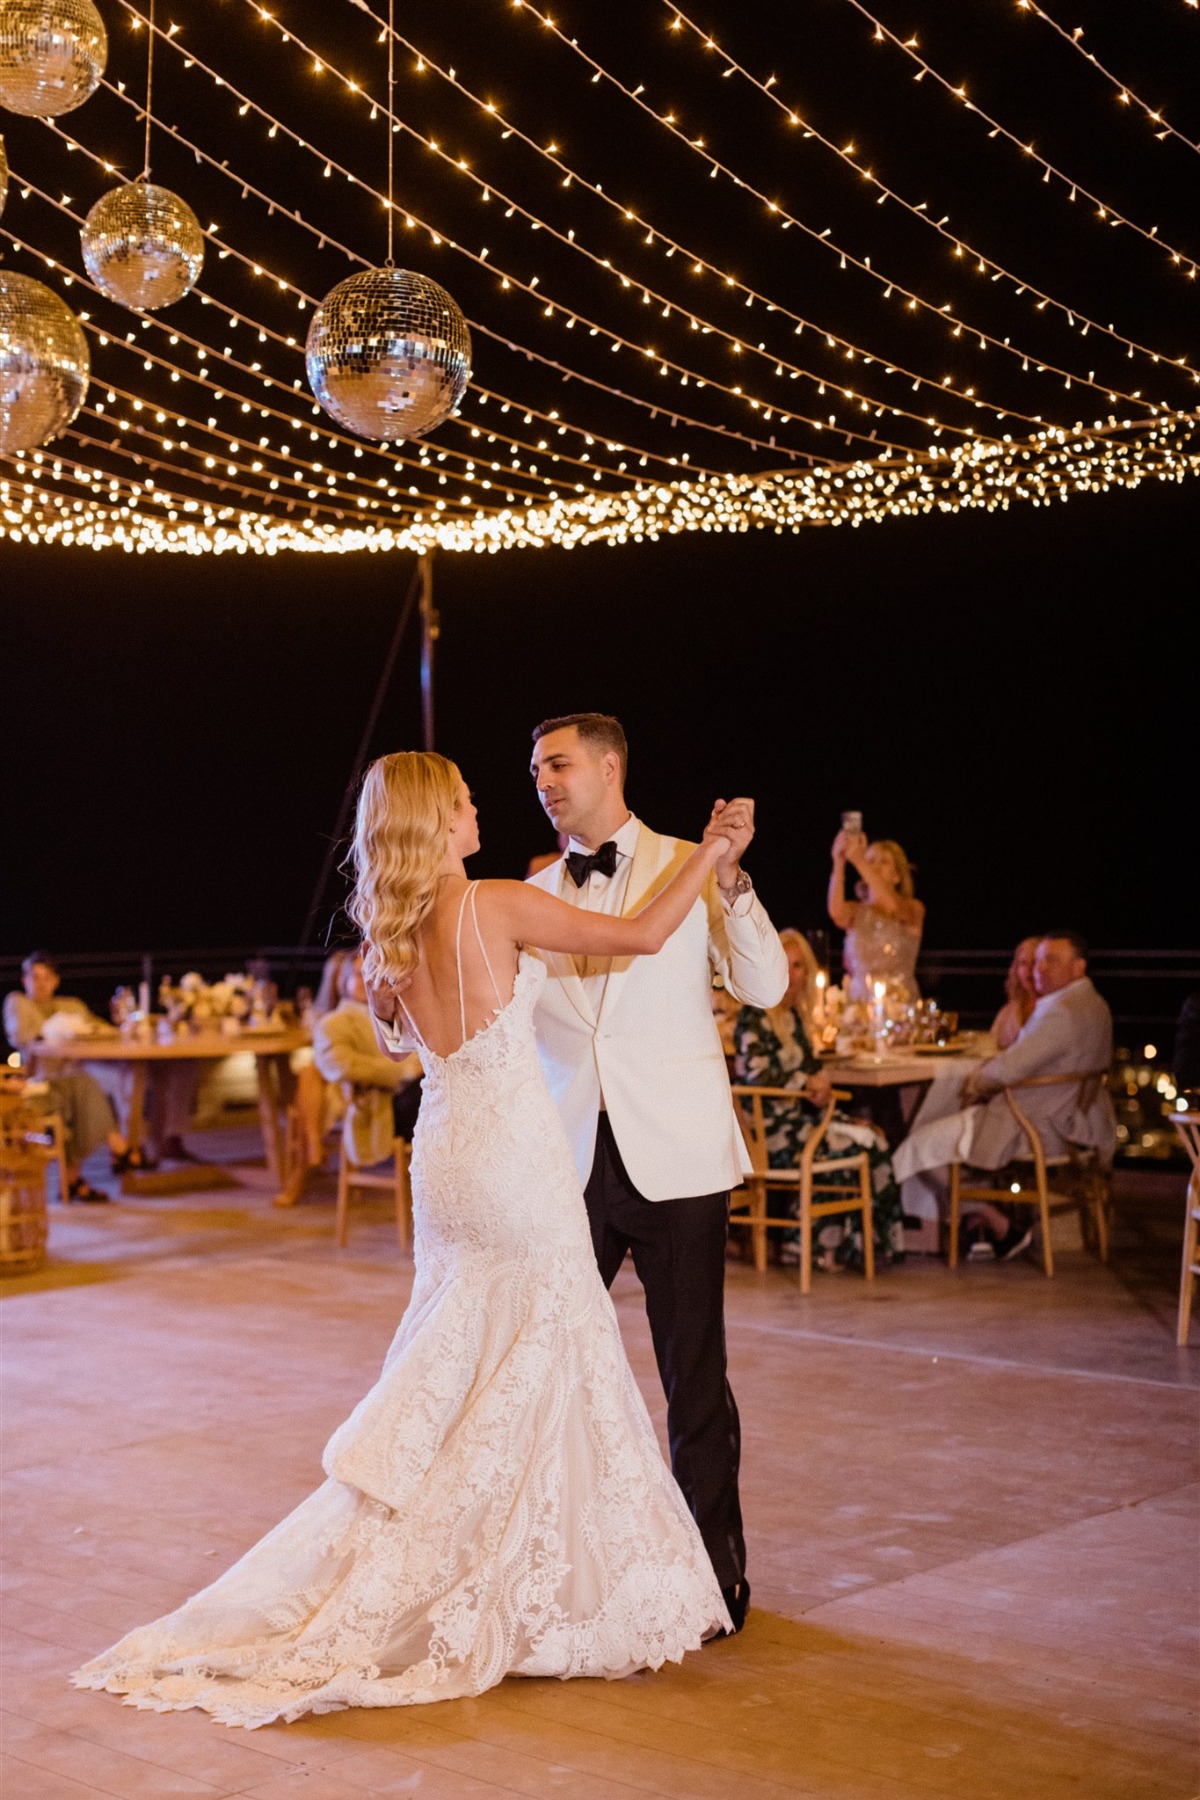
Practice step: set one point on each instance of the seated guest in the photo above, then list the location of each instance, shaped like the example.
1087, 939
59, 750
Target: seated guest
74, 1093
1069, 1032
384, 1094
774, 1050
319, 1103
883, 925
1022, 995
170, 1087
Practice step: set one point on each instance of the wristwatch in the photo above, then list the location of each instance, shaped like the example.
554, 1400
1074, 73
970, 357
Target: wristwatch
741, 886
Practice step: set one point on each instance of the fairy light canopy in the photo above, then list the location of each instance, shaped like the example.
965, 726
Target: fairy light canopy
719, 272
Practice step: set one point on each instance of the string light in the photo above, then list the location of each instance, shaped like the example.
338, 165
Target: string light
1104, 210
685, 313
245, 488
1125, 93
149, 358
670, 246
987, 264
1055, 465
440, 238
264, 332
1075, 318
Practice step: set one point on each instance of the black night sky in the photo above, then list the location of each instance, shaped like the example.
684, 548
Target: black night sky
1012, 696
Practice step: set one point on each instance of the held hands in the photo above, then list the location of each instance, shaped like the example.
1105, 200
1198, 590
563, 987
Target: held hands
382, 997
733, 822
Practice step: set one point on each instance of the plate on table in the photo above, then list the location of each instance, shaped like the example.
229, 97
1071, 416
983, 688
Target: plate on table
955, 1049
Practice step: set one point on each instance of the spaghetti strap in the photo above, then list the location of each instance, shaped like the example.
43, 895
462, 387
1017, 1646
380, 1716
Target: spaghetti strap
412, 1023
462, 1003
473, 890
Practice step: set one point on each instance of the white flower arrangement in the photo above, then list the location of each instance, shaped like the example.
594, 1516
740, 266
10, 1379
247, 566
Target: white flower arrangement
236, 1000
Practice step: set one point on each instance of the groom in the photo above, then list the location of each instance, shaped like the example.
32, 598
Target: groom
632, 1057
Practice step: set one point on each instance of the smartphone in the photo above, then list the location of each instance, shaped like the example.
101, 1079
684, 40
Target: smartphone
851, 821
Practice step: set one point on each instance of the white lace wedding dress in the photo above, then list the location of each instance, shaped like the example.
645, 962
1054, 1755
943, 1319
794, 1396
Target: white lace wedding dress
497, 1504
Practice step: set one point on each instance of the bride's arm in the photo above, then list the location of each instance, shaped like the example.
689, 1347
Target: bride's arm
537, 918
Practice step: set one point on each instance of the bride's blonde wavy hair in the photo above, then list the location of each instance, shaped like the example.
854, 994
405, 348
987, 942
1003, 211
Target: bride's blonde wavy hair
405, 809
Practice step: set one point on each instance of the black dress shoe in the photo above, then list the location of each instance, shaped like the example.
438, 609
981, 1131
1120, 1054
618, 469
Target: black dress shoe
737, 1605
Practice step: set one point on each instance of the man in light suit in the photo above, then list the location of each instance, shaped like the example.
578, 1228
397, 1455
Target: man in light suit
1069, 1032
632, 1057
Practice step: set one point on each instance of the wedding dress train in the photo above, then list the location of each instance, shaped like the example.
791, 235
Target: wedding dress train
497, 1503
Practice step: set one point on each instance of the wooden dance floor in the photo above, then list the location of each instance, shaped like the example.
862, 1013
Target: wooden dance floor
970, 1501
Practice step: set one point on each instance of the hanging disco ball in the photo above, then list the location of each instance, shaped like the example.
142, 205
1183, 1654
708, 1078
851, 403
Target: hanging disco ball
3, 176
143, 246
44, 363
52, 55
388, 354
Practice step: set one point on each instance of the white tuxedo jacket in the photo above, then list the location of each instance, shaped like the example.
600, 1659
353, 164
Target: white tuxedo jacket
652, 1046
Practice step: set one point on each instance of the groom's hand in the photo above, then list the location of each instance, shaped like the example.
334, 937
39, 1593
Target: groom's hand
381, 998
732, 820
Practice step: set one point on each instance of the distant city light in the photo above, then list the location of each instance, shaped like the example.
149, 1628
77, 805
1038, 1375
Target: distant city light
1150, 1052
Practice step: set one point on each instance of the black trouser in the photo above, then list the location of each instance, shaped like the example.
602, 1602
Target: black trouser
678, 1251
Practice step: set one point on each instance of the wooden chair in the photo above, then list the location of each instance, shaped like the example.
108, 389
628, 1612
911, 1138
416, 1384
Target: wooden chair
49, 1139
1188, 1126
1085, 1180
854, 1195
42, 1134
396, 1180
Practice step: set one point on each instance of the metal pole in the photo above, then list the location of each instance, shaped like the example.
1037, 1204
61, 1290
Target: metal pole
430, 626
337, 841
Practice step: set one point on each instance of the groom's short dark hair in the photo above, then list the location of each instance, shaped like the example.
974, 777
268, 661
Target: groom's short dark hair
598, 729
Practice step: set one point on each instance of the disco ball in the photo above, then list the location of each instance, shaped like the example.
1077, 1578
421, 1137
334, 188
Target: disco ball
3, 176
44, 363
52, 55
143, 246
388, 354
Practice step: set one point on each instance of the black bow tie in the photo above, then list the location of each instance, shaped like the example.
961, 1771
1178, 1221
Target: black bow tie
580, 866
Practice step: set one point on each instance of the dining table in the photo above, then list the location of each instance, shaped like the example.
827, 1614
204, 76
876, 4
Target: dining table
270, 1046
910, 1069
908, 1085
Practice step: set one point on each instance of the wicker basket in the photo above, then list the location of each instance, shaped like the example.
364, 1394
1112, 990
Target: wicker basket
22, 1213
22, 1188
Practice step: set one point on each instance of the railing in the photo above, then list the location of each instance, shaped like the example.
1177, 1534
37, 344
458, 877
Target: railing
1145, 988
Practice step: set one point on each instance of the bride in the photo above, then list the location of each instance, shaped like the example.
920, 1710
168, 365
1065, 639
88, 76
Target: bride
497, 1504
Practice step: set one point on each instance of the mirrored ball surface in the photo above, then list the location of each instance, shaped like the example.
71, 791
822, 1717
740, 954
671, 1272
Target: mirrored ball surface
143, 246
389, 354
52, 55
44, 363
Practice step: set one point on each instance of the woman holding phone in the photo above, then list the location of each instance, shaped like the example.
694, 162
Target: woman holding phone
883, 925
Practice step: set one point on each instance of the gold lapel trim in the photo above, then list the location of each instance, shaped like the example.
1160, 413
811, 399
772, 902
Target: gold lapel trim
648, 874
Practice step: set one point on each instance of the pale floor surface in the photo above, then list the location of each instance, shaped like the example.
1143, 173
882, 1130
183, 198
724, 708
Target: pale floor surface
970, 1504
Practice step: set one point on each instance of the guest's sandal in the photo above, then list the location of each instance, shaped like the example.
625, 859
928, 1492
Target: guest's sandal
83, 1190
